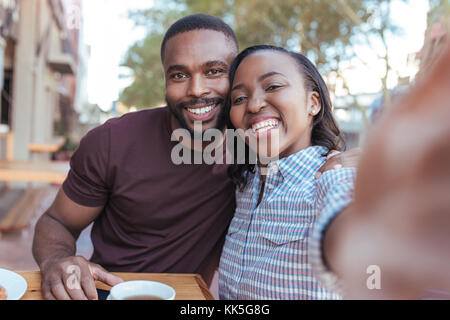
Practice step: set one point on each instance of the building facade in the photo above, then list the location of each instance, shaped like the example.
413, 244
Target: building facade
39, 71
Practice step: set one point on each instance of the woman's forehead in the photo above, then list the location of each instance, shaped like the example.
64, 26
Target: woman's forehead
264, 61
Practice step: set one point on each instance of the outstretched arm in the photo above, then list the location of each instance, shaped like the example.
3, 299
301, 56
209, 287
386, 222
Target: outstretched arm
398, 227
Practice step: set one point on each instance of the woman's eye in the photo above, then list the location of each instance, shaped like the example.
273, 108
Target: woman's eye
238, 100
273, 87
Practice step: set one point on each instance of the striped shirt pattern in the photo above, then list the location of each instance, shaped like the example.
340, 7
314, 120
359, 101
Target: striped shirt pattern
266, 254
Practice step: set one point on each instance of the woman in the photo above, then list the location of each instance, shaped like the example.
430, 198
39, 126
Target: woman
281, 102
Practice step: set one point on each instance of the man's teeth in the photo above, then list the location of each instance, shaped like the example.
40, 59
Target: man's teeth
264, 125
202, 110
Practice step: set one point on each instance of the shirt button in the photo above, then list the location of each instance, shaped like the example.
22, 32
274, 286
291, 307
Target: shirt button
272, 168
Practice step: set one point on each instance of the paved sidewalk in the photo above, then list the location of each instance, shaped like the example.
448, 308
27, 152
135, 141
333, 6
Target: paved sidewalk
15, 247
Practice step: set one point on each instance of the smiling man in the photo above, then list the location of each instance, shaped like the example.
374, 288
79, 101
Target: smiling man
196, 72
149, 214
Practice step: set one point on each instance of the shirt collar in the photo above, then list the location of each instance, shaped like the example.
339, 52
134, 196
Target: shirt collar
303, 164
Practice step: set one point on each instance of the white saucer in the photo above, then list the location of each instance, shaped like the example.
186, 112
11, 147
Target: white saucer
14, 284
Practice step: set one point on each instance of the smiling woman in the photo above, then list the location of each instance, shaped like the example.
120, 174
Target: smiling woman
279, 99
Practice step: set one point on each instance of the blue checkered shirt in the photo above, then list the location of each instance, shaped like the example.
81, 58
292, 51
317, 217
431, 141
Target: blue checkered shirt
273, 250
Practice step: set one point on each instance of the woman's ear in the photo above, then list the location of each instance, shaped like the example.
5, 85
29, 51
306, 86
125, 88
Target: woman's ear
314, 103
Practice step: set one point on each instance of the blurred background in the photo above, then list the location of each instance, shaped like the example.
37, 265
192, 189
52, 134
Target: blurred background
66, 66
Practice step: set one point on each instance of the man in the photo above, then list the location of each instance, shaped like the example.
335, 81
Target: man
150, 214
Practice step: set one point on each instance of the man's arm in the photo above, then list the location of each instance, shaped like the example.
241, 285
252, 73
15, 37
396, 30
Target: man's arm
337, 160
65, 276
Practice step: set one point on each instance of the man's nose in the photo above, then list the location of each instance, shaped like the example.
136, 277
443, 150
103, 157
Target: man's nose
198, 87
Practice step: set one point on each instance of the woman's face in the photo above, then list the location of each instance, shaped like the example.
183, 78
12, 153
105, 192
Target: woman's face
269, 102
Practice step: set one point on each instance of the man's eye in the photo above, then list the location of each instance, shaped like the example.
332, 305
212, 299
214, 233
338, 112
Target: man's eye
178, 75
214, 72
238, 100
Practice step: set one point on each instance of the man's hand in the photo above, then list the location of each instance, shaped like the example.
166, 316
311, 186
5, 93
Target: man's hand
337, 160
72, 278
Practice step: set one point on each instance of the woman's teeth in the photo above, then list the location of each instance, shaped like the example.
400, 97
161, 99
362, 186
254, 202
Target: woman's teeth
264, 125
201, 111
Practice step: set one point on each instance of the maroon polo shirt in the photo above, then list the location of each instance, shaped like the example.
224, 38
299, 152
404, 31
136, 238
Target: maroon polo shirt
157, 216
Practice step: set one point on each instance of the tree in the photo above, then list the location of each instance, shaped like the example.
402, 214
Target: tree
323, 30
439, 11
372, 33
319, 28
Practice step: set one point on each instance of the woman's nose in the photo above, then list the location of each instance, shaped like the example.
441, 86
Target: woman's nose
256, 103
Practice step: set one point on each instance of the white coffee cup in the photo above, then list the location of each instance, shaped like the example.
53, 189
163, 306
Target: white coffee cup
141, 290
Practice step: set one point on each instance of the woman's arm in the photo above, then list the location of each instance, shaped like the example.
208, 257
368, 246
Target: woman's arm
400, 221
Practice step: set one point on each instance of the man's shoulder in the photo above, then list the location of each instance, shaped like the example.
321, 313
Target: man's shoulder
149, 121
142, 116
130, 125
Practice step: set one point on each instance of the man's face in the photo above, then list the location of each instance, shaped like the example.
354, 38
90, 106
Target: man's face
196, 65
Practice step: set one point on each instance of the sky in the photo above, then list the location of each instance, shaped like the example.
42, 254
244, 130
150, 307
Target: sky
109, 34
412, 18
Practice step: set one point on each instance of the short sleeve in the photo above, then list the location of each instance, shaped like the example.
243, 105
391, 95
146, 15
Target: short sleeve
335, 192
87, 181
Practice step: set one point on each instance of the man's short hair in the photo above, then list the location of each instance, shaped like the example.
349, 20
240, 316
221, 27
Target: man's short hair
197, 22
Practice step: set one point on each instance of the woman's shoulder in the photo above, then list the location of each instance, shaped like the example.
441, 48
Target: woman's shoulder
335, 181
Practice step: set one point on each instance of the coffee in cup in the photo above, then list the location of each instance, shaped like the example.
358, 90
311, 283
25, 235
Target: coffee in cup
141, 290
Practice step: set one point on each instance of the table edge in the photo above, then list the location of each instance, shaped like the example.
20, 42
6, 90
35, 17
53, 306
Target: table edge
198, 278
203, 287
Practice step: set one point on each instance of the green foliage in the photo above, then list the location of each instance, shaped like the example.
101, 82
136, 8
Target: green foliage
69, 145
148, 86
324, 30
439, 11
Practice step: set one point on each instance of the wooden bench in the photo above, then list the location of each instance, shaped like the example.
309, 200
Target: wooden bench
34, 171
19, 207
50, 146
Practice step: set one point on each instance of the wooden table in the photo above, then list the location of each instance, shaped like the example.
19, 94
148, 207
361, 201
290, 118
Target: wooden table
33, 171
187, 286
50, 146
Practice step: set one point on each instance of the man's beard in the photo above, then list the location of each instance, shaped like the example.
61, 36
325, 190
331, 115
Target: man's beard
177, 112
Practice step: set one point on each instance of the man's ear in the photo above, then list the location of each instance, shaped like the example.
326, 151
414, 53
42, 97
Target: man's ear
314, 104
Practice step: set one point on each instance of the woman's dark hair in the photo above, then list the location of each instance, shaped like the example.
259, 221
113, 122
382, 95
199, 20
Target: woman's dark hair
325, 131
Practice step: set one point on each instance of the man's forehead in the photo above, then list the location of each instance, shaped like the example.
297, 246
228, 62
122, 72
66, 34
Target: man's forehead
199, 45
